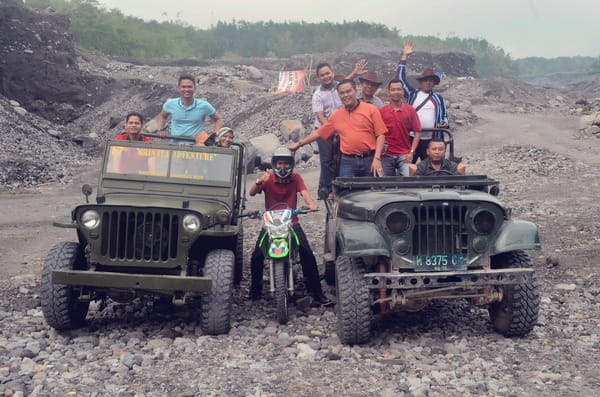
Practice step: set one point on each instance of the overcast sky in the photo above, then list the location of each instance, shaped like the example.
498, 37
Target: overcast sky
548, 28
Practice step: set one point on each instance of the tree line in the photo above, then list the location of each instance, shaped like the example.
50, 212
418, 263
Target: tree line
113, 33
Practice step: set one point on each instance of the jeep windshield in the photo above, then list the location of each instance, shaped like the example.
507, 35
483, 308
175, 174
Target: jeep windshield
186, 163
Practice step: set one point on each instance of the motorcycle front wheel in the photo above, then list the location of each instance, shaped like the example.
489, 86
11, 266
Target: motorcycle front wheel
281, 293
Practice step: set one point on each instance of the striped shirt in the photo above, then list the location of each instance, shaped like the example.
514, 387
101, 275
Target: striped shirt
326, 101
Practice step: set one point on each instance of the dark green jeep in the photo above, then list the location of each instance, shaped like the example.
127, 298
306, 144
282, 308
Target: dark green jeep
398, 243
166, 222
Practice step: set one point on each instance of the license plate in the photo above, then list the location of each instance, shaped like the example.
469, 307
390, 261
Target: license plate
440, 263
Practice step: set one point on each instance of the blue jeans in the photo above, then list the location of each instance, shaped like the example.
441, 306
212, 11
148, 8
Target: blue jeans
327, 163
394, 165
350, 167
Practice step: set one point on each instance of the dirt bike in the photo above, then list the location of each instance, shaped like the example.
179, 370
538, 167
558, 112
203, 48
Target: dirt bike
280, 247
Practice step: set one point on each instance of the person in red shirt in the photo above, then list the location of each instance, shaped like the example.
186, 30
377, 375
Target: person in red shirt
127, 160
281, 188
400, 119
134, 122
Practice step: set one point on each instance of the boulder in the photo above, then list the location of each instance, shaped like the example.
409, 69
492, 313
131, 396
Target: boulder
292, 130
265, 145
253, 72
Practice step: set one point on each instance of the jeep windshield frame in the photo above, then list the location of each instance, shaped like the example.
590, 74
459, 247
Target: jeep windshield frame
476, 182
228, 187
160, 162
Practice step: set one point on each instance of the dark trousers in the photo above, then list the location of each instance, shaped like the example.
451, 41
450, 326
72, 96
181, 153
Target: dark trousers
307, 258
353, 167
421, 152
328, 166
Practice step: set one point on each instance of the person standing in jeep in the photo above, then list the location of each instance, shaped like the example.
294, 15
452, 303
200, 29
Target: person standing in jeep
188, 113
400, 119
325, 101
361, 130
369, 84
429, 105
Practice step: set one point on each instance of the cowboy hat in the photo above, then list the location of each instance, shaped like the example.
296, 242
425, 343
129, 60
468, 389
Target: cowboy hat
371, 77
429, 74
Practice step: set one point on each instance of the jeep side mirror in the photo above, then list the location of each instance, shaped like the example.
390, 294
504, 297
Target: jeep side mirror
494, 190
87, 191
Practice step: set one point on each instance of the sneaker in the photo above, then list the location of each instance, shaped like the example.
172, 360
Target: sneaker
321, 299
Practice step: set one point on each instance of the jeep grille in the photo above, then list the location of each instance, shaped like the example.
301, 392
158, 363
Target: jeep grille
439, 229
139, 235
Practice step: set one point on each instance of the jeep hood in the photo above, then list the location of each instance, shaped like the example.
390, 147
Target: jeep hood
202, 205
364, 204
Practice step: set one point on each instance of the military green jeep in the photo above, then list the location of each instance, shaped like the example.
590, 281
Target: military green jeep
166, 222
398, 243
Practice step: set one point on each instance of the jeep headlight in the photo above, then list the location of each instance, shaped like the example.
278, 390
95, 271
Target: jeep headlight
397, 222
191, 223
90, 219
484, 221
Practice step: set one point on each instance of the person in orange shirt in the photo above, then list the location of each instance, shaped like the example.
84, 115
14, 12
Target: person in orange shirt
361, 130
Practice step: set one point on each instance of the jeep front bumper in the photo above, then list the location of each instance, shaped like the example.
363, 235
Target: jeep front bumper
141, 282
467, 278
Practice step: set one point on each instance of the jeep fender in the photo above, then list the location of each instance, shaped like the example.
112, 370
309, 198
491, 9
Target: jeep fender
360, 239
516, 234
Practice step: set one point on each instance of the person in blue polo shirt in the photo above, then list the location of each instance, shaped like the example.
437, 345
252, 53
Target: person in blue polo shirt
188, 113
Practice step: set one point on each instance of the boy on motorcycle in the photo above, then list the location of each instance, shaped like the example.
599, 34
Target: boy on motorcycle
281, 188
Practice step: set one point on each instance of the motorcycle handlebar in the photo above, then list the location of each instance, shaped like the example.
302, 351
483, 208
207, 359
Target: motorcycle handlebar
260, 213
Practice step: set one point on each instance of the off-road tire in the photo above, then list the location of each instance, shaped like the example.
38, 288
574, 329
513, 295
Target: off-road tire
329, 273
216, 305
353, 307
238, 273
281, 294
517, 313
60, 304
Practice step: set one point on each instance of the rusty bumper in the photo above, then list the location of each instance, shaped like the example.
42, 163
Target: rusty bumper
467, 278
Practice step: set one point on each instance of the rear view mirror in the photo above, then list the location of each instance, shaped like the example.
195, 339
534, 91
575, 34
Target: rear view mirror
87, 191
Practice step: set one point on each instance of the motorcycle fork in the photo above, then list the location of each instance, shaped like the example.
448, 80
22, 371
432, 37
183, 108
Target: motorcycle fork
290, 275
271, 276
